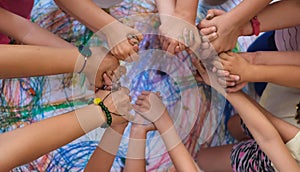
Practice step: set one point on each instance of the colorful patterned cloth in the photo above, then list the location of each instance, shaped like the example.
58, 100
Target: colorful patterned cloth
28, 100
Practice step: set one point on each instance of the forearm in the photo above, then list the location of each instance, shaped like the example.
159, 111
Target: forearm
30, 33
281, 75
277, 58
246, 10
181, 158
263, 131
104, 155
165, 8
287, 131
285, 11
26, 144
24, 61
187, 9
135, 160
87, 12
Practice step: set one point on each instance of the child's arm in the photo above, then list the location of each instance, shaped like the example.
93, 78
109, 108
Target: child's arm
104, 154
264, 132
135, 158
27, 32
182, 14
96, 19
286, 75
152, 108
286, 13
229, 25
260, 127
25, 144
25, 60
165, 7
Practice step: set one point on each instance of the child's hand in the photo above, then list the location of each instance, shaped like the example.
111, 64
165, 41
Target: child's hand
122, 40
99, 66
207, 76
176, 39
150, 106
140, 127
236, 65
211, 32
227, 31
118, 103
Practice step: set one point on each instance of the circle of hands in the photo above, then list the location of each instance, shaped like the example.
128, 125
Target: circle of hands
214, 64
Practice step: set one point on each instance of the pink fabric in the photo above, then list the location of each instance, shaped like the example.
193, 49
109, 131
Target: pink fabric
20, 7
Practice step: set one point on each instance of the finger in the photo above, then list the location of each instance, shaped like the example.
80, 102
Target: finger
146, 104
224, 83
133, 41
236, 88
137, 108
133, 55
212, 37
198, 78
181, 43
208, 30
139, 36
210, 15
165, 44
229, 79
107, 80
142, 97
171, 47
139, 102
177, 49
224, 56
217, 64
192, 38
136, 48
157, 93
146, 92
186, 37
223, 73
199, 67
235, 77
213, 13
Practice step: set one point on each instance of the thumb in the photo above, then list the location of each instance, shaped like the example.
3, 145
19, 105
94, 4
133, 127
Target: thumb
213, 13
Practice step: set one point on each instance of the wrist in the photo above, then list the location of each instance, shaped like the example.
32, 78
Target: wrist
137, 132
258, 60
164, 122
252, 73
247, 29
186, 16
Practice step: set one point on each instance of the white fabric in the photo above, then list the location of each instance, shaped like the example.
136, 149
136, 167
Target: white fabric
281, 101
294, 147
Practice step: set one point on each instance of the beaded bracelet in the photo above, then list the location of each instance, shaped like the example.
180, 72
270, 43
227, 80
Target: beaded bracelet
99, 102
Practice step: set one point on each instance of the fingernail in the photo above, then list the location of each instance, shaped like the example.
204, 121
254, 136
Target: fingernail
214, 28
209, 16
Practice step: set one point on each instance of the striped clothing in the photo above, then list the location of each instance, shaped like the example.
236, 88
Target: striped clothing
288, 39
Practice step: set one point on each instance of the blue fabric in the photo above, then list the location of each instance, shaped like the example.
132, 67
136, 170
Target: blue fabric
265, 42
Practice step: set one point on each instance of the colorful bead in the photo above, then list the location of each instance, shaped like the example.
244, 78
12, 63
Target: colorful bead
100, 103
97, 101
